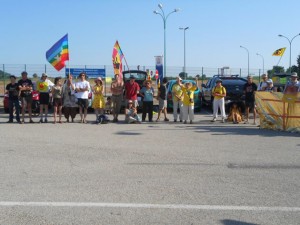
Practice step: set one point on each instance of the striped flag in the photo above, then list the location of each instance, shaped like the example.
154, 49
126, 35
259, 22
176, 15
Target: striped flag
117, 56
279, 52
58, 53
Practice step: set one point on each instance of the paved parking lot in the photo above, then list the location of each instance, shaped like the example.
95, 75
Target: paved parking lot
152, 173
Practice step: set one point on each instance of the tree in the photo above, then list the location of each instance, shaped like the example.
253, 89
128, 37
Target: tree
276, 69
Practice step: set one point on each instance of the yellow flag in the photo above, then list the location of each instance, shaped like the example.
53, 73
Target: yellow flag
279, 52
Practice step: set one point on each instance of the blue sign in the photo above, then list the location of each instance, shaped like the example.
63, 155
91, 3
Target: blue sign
91, 73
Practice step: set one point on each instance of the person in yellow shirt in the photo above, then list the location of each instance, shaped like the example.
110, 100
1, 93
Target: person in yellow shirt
219, 93
177, 99
188, 90
44, 86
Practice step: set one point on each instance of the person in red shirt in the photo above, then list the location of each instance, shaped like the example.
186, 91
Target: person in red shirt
132, 89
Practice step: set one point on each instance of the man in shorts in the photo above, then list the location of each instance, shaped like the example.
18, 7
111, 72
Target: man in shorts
13, 99
116, 88
132, 89
25, 87
162, 99
249, 89
82, 89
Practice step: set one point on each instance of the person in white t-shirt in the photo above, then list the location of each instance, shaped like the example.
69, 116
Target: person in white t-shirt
82, 89
263, 84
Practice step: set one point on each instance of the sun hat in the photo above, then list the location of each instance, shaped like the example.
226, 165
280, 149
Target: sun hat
44, 75
294, 74
178, 78
98, 79
270, 81
132, 77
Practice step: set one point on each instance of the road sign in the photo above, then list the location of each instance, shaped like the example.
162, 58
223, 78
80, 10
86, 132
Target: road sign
156, 74
91, 73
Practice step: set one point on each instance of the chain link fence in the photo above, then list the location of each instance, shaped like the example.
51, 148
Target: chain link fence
36, 70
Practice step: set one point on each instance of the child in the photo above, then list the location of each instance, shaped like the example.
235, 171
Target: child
235, 114
108, 105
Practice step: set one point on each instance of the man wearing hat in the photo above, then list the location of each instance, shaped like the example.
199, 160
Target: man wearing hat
177, 99
116, 89
263, 84
132, 89
249, 89
44, 86
292, 86
26, 86
13, 99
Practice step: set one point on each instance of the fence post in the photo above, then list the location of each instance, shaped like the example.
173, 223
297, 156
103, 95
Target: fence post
105, 81
240, 72
25, 67
45, 68
3, 79
202, 77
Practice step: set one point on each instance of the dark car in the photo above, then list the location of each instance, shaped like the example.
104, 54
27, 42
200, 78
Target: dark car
197, 95
140, 77
233, 84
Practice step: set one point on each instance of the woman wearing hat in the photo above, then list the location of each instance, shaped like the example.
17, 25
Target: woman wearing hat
98, 102
147, 93
219, 93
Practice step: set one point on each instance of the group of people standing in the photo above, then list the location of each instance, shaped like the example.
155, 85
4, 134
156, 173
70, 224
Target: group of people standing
70, 96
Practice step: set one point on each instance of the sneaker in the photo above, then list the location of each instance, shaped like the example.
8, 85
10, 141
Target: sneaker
10, 121
191, 122
166, 119
114, 120
214, 119
22, 122
31, 121
180, 121
246, 122
184, 122
46, 120
41, 121
175, 121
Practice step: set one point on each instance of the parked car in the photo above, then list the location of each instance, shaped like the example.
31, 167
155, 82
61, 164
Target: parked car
197, 95
140, 77
234, 85
35, 102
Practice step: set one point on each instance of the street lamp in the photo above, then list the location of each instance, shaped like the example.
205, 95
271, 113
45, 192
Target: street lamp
290, 41
263, 62
164, 17
248, 56
184, 29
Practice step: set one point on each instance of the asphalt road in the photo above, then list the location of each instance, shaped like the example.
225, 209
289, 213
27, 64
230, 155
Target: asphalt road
151, 173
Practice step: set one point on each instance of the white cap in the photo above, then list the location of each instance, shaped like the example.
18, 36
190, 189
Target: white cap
270, 81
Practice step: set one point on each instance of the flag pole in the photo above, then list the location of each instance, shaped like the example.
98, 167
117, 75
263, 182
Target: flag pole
279, 60
123, 56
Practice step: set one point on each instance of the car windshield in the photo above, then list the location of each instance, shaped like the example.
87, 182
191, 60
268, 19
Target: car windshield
137, 75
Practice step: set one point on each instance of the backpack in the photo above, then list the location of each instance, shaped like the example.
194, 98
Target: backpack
103, 119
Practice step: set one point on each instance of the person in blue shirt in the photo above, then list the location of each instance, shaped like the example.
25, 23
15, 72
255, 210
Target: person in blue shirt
147, 93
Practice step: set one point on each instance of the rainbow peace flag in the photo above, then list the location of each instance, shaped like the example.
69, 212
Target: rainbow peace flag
117, 57
58, 53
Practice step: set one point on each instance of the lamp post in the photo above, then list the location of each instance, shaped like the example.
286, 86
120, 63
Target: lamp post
248, 56
290, 41
164, 17
263, 62
184, 68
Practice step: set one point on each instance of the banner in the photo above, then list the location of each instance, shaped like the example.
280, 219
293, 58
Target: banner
159, 67
278, 111
117, 56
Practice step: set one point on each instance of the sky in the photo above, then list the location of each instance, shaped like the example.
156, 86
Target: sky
217, 29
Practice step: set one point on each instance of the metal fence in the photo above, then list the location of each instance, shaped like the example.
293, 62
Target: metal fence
172, 71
